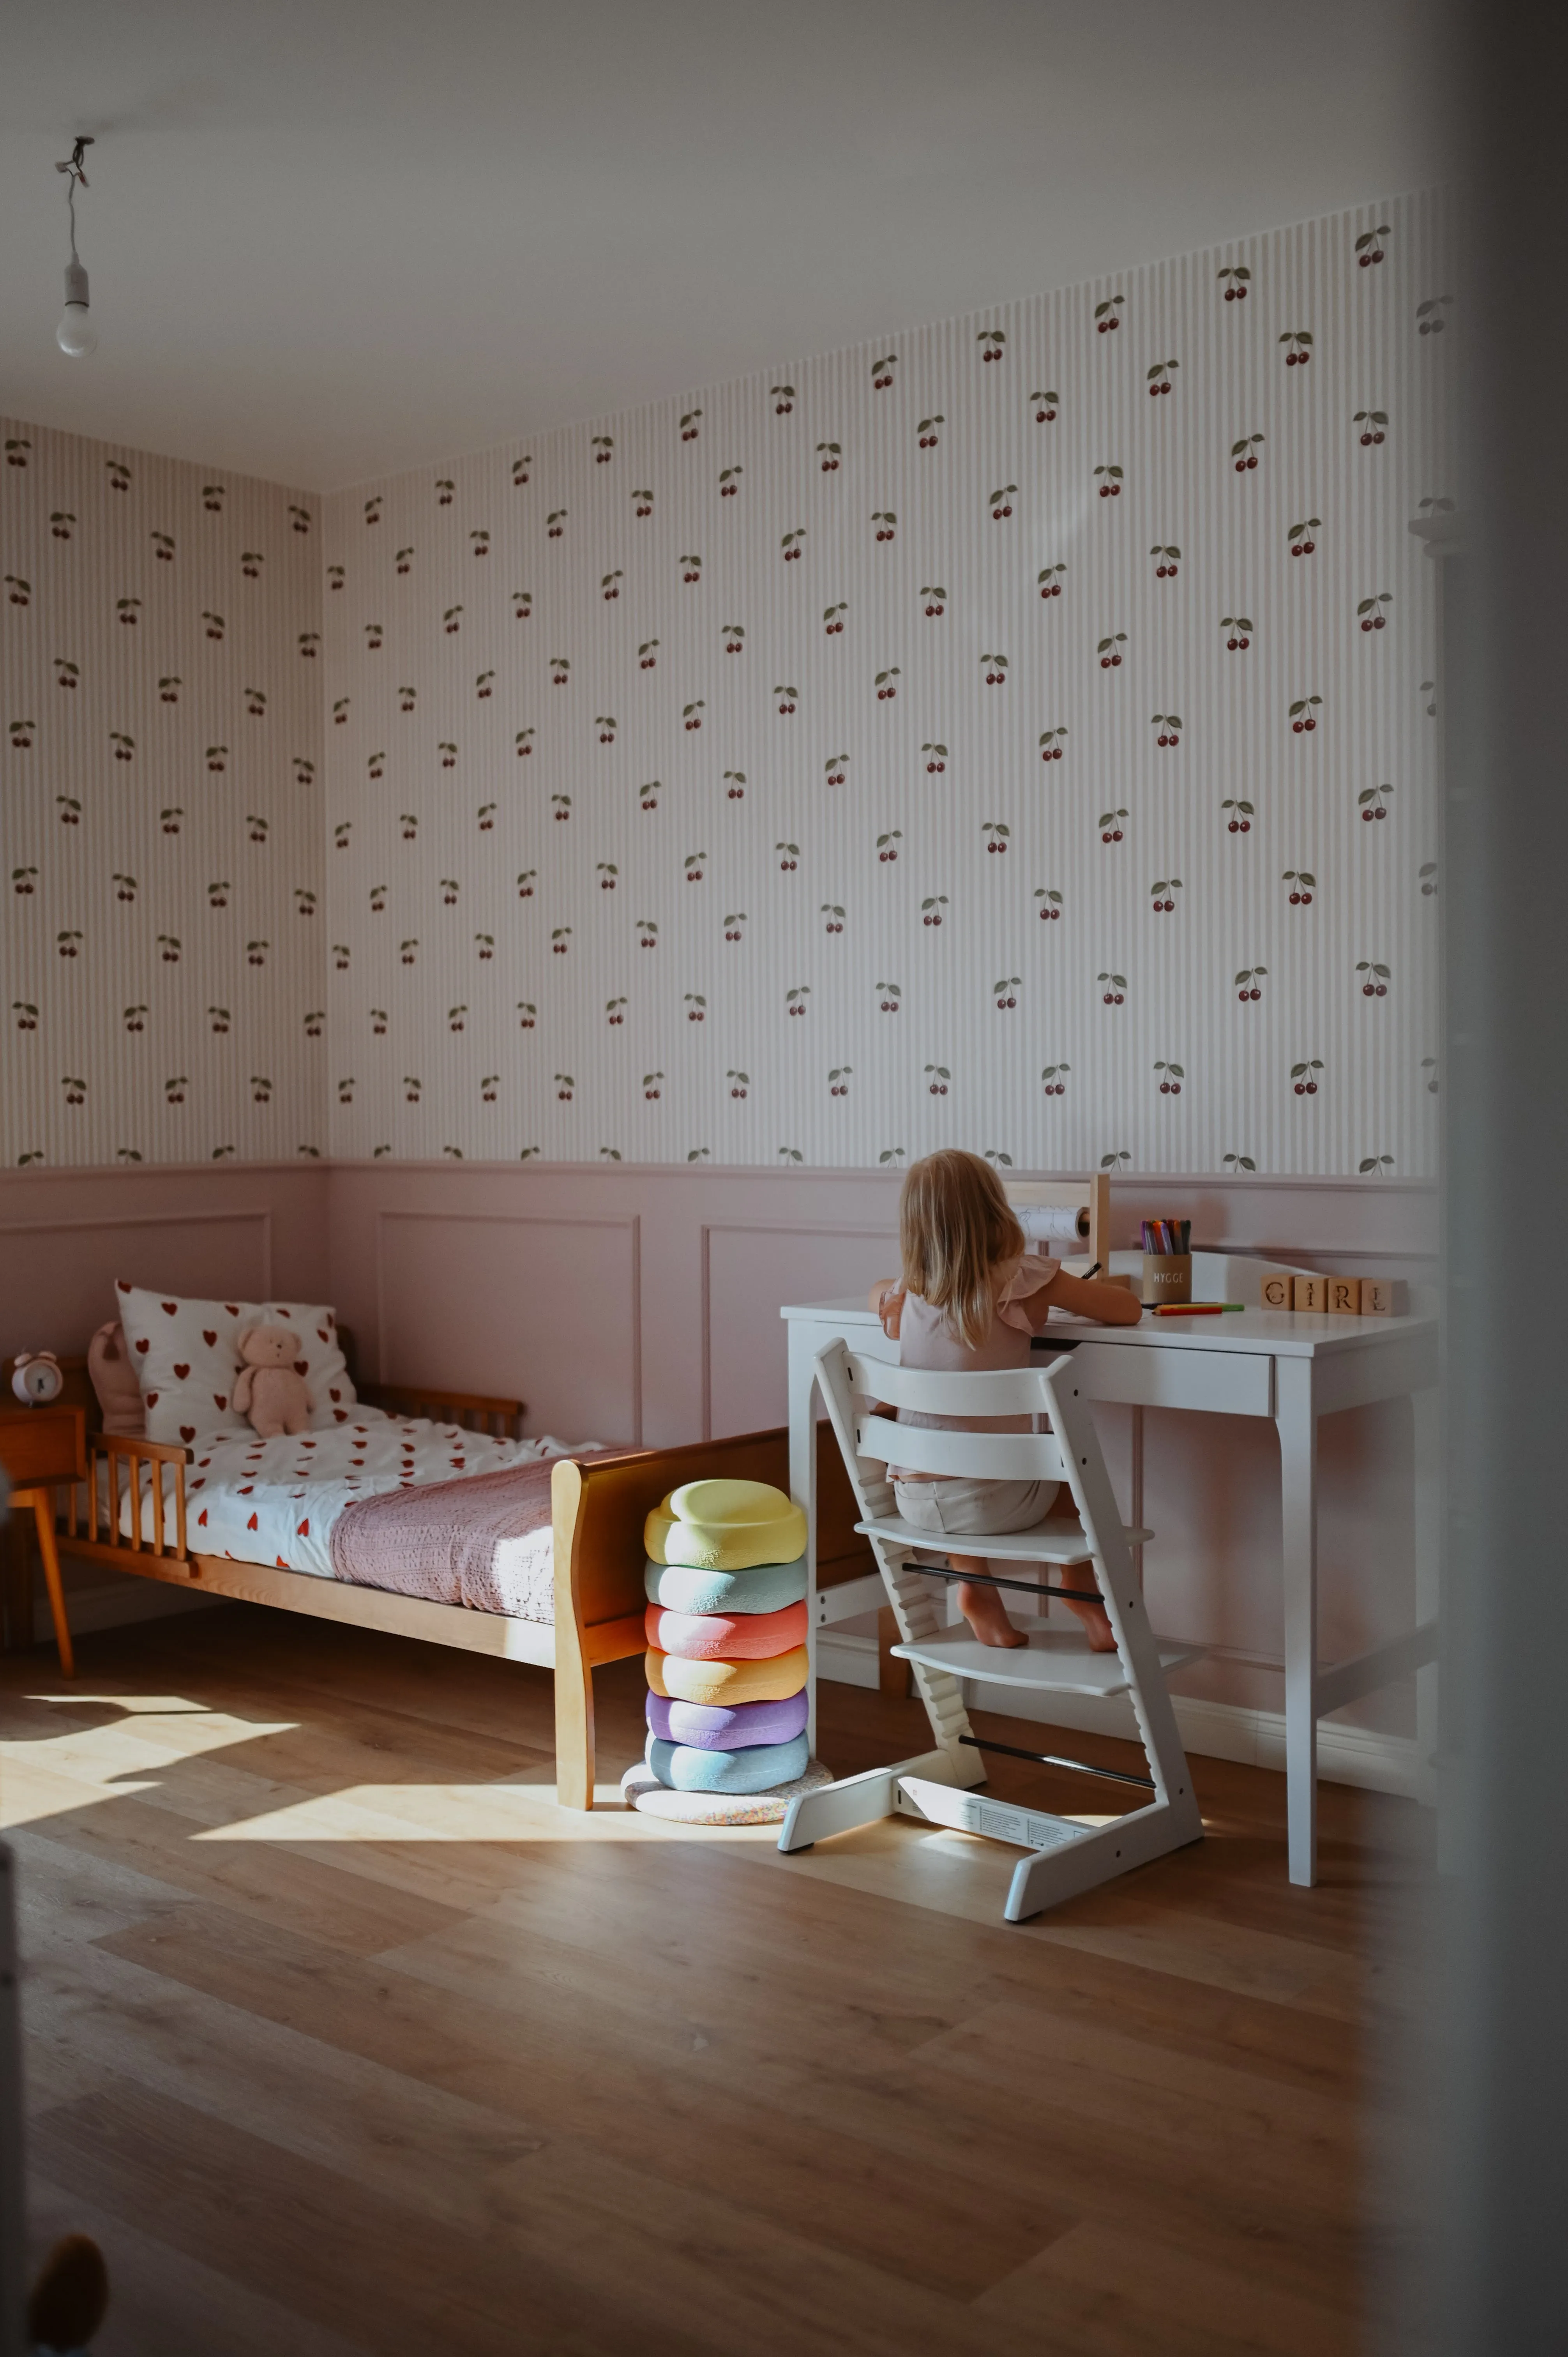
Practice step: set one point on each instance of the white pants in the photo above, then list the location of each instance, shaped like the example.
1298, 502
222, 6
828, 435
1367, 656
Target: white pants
955, 1509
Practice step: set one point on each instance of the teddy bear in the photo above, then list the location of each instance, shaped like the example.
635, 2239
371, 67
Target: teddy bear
270, 1390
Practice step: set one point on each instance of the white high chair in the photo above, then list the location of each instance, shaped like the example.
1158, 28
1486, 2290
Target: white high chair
1064, 1858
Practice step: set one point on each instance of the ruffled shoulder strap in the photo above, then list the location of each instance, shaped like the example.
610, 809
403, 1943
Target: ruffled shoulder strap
1030, 1277
892, 1310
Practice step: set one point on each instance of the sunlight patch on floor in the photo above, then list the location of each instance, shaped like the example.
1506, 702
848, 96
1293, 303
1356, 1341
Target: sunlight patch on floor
465, 1813
52, 1775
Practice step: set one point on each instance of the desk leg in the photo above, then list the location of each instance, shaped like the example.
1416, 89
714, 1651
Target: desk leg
1428, 1468
44, 1517
1295, 1420
805, 1342
1136, 1498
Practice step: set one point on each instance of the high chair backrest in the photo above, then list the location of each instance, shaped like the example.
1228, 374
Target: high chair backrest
1037, 1456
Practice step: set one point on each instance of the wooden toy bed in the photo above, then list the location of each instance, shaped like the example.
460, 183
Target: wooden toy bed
598, 1505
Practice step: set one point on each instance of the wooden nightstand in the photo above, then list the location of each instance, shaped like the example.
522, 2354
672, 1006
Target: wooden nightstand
40, 1449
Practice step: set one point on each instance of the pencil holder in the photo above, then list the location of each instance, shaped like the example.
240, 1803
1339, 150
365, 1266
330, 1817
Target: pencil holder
1167, 1277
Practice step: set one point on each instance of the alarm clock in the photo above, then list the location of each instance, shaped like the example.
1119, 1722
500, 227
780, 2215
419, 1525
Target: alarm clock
35, 1378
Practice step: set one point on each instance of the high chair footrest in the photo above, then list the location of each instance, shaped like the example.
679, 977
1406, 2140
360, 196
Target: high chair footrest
976, 1812
1048, 1541
1053, 1662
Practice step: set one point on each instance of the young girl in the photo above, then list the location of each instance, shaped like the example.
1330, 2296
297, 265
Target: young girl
971, 1296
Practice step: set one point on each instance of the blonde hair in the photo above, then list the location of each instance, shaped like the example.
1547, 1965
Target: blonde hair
954, 1225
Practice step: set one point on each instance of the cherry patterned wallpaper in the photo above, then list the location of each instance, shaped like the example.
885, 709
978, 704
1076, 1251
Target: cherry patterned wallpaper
163, 972
1018, 732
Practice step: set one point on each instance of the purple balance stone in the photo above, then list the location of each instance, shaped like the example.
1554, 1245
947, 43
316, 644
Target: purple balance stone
709, 1727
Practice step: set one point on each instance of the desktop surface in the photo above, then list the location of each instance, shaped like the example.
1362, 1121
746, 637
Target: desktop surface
1273, 1333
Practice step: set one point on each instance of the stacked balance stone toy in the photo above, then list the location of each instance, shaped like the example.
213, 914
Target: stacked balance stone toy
727, 1665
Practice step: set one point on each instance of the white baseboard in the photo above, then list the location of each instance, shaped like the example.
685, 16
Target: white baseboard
1217, 1730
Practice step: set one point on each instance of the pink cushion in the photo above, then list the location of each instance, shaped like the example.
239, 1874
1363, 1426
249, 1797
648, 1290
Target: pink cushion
114, 1382
725, 1636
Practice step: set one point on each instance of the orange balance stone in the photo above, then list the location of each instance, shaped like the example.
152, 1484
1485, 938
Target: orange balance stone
725, 1636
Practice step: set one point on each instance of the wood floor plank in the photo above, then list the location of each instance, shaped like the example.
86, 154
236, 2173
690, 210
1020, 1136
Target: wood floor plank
672, 2096
1094, 2293
344, 2038
144, 1831
166, 2303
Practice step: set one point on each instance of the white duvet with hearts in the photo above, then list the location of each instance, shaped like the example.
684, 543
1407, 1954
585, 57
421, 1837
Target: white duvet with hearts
275, 1501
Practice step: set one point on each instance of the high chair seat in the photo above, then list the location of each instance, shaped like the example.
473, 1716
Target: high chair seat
1055, 1661
1054, 1541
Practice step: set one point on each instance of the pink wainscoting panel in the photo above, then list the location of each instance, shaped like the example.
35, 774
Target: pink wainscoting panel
749, 1271
642, 1303
65, 1236
540, 1306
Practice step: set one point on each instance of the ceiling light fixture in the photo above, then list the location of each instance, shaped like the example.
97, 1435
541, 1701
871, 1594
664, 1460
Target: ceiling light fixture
76, 335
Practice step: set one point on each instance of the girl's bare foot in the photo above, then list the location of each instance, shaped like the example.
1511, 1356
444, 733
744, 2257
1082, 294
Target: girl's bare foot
1096, 1623
986, 1614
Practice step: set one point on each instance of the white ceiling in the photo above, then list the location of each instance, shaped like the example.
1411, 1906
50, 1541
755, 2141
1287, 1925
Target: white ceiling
330, 238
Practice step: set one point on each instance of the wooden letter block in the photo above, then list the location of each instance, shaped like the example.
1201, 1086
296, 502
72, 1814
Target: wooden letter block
1382, 1296
1310, 1293
1344, 1297
1276, 1292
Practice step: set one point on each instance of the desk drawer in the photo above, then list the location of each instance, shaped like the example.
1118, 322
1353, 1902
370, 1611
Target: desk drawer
1226, 1383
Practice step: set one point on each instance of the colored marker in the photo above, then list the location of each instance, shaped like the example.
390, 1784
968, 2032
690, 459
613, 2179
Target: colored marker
1191, 1309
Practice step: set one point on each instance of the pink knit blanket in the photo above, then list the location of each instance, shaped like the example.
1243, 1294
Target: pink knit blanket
445, 1541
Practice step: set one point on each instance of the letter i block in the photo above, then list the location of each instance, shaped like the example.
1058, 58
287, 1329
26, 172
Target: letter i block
1344, 1297
1276, 1293
1310, 1293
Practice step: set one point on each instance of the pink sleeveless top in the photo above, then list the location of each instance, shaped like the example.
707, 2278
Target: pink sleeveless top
925, 1338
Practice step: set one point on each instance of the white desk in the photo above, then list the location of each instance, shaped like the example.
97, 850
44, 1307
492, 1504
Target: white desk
1260, 1363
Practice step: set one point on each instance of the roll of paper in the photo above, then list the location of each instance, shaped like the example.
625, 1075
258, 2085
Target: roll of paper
1047, 1223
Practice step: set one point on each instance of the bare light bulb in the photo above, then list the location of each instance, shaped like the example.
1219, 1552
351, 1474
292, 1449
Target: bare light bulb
76, 335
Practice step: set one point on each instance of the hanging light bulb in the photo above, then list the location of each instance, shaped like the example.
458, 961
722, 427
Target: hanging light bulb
76, 335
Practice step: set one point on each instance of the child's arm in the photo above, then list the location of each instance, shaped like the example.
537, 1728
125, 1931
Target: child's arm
1084, 1296
887, 1297
1088, 1296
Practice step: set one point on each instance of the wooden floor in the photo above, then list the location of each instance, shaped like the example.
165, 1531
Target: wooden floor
342, 2037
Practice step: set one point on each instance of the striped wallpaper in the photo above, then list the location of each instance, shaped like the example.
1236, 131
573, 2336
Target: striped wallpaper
476, 946
161, 961
882, 465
